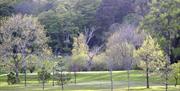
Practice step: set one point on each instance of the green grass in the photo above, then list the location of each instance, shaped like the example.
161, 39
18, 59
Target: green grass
95, 81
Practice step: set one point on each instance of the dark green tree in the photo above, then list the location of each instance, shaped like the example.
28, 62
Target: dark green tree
163, 22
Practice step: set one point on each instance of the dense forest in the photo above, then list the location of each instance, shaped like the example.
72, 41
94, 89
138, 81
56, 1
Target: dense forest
65, 19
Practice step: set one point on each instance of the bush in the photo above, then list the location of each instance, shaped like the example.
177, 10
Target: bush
43, 75
175, 73
11, 78
32, 69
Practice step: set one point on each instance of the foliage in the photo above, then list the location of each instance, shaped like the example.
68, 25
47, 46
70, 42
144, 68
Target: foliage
19, 31
6, 8
11, 78
163, 17
32, 61
151, 53
151, 57
175, 69
21, 35
175, 73
33, 6
163, 21
121, 44
60, 74
43, 75
79, 53
99, 62
60, 27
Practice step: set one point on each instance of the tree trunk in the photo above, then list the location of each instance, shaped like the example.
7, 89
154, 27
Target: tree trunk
111, 80
43, 82
53, 77
128, 79
24, 63
147, 75
176, 81
25, 74
17, 71
166, 76
89, 65
75, 77
62, 83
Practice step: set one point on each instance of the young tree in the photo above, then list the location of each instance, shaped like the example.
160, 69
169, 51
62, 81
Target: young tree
79, 54
175, 72
150, 55
43, 76
61, 76
21, 35
165, 72
45, 65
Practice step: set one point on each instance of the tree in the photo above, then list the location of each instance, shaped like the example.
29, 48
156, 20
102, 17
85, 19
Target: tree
120, 46
162, 22
121, 42
79, 54
21, 36
151, 56
61, 28
45, 65
175, 72
33, 6
61, 76
94, 50
7, 8
86, 11
43, 76
66, 19
31, 62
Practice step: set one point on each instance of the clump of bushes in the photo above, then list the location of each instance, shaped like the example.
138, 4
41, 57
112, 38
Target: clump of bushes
11, 78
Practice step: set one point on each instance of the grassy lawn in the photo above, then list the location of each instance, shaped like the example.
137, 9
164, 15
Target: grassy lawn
93, 81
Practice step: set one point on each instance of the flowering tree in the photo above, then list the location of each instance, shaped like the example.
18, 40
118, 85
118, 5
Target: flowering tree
21, 35
120, 47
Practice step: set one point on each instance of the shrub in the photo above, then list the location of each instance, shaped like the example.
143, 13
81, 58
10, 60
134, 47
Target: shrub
32, 69
175, 72
11, 78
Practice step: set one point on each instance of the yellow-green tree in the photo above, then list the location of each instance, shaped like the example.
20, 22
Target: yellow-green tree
175, 72
79, 54
150, 56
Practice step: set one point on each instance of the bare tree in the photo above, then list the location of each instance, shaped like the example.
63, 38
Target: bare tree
89, 34
93, 52
120, 47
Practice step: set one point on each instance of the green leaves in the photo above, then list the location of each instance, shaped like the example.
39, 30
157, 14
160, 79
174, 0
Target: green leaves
163, 17
151, 53
175, 70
